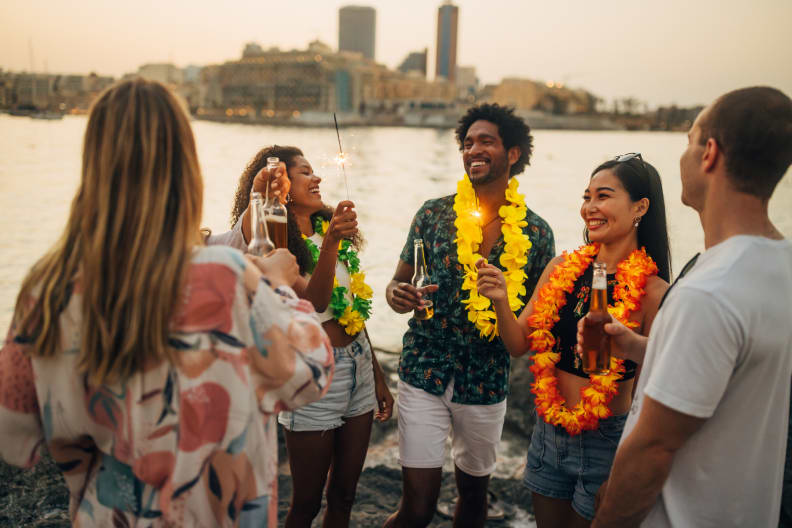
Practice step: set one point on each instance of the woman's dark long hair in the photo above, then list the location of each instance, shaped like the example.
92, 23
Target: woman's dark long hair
641, 180
295, 242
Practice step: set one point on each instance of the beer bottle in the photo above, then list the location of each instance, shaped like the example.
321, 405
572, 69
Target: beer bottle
421, 279
260, 243
596, 342
274, 211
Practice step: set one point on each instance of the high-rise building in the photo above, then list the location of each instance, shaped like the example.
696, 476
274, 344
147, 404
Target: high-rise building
357, 27
414, 62
446, 53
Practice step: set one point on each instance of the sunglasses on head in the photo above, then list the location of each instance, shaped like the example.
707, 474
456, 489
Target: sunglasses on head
628, 157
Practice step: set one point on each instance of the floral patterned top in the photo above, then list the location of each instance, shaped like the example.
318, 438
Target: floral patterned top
188, 444
448, 345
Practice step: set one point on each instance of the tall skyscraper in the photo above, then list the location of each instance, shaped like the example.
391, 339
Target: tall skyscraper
446, 53
357, 27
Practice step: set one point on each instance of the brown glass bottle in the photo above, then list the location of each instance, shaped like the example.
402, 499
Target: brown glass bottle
596, 343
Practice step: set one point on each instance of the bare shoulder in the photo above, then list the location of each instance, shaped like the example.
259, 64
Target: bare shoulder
555, 261
655, 289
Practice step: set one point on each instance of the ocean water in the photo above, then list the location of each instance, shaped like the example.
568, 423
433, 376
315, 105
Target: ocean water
391, 172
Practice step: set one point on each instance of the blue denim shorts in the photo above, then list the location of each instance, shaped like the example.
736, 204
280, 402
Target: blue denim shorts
573, 468
351, 392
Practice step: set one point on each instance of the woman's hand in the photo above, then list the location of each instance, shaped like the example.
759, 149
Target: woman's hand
491, 283
279, 182
384, 399
279, 267
625, 343
343, 224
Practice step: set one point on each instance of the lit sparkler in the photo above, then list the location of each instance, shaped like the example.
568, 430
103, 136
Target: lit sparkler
342, 156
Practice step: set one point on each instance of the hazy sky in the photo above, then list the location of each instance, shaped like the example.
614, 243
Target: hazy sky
670, 51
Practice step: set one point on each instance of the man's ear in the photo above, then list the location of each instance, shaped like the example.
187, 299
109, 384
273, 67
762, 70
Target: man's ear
711, 154
514, 154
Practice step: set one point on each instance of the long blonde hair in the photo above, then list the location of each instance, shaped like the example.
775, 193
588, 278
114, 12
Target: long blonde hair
131, 230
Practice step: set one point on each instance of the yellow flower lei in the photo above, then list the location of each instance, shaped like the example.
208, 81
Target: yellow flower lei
513, 259
350, 315
632, 274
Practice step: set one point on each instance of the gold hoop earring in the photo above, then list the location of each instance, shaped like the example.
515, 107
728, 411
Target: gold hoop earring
636, 221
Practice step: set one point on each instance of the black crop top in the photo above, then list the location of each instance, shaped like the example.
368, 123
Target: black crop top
565, 330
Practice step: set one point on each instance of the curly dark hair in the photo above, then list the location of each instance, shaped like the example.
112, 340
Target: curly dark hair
513, 130
295, 242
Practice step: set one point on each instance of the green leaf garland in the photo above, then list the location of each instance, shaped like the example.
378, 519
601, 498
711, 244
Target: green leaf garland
349, 315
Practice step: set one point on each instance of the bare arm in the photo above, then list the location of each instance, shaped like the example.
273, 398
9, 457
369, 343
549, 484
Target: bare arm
513, 331
319, 288
381, 390
642, 464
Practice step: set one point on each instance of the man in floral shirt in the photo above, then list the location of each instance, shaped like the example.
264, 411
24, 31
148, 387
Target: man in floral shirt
451, 376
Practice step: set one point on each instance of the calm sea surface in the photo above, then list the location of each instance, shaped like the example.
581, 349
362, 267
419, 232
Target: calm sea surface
392, 172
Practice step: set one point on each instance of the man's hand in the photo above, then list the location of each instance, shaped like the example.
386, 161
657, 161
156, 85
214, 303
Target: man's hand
625, 343
405, 297
279, 182
279, 267
599, 496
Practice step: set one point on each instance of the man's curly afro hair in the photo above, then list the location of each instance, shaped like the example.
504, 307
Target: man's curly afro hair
514, 132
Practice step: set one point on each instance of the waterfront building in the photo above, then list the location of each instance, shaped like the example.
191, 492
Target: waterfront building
549, 97
357, 26
467, 83
414, 63
446, 51
165, 73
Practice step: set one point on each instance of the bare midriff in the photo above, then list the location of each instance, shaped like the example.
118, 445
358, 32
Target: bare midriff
569, 386
337, 334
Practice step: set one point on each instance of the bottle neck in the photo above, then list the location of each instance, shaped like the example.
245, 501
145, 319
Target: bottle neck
257, 224
420, 262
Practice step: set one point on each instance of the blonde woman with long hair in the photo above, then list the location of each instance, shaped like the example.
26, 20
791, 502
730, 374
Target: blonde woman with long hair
150, 366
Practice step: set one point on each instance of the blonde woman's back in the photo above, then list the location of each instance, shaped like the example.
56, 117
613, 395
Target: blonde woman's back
151, 367
191, 443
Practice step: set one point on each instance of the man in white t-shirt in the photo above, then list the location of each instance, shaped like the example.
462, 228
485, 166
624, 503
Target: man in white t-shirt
704, 443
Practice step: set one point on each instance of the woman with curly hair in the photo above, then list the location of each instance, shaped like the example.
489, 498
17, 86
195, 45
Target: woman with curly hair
330, 436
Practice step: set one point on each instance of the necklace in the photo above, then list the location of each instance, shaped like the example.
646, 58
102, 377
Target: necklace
513, 259
632, 274
350, 315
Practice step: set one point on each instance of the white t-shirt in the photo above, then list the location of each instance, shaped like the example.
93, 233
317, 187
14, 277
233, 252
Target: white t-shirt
721, 349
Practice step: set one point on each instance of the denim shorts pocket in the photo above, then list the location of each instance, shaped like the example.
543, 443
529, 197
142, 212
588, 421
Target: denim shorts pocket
610, 429
537, 448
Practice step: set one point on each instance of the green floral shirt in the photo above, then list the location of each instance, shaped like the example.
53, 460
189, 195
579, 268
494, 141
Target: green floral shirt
448, 345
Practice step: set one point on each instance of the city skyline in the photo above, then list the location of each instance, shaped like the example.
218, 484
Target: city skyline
673, 53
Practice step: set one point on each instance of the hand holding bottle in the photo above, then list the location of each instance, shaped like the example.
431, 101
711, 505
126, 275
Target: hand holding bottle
625, 343
278, 179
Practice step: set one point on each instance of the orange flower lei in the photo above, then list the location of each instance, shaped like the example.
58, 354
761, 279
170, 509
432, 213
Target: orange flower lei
631, 275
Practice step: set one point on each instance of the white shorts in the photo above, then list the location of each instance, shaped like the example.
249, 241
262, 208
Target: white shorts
425, 421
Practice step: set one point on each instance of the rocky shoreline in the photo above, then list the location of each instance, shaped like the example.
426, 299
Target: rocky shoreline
39, 498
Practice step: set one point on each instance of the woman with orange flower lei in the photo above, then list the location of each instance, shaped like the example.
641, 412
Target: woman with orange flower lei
580, 417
